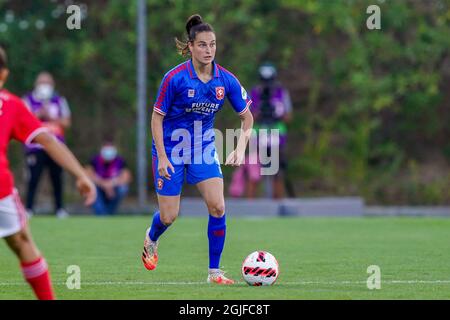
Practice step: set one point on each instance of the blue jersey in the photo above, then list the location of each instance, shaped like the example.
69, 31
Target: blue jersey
184, 100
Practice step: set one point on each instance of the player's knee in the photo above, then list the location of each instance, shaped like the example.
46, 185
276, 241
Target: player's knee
19, 241
217, 209
14, 243
168, 219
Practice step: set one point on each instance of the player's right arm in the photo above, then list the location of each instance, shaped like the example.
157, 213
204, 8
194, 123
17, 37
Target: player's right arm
65, 158
163, 102
158, 137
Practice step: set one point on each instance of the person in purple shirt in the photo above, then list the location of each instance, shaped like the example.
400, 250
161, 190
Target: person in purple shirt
54, 113
111, 176
272, 109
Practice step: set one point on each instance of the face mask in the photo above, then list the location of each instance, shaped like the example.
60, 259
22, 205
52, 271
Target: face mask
44, 91
108, 153
267, 72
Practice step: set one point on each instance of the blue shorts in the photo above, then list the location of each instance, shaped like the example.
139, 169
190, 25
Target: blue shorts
195, 173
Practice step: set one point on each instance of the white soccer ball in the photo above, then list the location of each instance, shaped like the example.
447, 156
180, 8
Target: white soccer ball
260, 268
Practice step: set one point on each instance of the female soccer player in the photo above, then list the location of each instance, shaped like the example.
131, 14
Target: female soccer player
188, 99
17, 122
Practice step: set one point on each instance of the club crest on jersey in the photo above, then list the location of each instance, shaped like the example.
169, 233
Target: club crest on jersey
160, 183
220, 93
191, 93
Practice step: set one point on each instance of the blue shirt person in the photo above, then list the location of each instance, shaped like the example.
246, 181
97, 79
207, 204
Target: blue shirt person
183, 140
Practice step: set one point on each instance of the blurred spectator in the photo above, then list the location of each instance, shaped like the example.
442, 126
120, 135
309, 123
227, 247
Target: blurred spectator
110, 174
272, 109
53, 110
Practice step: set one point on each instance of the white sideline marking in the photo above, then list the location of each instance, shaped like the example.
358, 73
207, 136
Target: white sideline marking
295, 283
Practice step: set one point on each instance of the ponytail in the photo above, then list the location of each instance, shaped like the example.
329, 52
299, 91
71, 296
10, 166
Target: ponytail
194, 25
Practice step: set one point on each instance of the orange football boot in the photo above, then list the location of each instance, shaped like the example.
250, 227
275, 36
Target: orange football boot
218, 277
150, 252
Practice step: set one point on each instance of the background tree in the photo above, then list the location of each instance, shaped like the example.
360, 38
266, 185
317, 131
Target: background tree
371, 107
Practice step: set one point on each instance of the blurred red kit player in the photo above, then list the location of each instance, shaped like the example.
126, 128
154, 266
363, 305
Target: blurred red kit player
17, 122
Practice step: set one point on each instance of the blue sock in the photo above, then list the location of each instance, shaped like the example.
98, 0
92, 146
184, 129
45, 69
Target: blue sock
217, 229
157, 228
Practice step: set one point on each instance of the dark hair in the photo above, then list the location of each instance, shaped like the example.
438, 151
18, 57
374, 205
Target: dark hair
3, 59
194, 25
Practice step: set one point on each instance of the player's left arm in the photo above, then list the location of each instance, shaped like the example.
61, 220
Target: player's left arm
241, 104
236, 158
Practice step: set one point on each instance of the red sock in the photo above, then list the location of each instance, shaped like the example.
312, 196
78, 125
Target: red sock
37, 275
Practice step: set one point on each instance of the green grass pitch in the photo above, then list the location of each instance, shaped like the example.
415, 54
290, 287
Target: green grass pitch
319, 258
